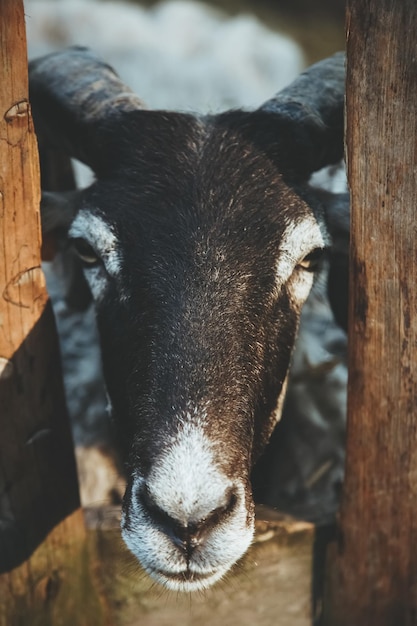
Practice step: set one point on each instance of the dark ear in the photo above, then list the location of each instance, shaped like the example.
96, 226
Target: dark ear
58, 210
337, 212
307, 118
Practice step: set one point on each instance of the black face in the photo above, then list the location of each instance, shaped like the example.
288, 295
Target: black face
199, 269
199, 245
198, 312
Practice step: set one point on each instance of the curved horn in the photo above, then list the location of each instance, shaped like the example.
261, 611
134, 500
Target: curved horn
73, 96
311, 108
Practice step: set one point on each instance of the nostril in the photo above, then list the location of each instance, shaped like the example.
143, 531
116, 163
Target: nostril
189, 535
154, 511
231, 501
219, 514
184, 537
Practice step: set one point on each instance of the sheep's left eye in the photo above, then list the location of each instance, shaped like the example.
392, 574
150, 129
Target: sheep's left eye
311, 261
86, 253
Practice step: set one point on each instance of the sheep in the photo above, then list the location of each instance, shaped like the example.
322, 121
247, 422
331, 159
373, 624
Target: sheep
199, 241
179, 54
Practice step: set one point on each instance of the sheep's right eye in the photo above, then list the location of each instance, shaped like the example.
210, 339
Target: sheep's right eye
85, 252
311, 261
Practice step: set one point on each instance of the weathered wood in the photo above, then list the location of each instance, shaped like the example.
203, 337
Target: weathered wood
38, 484
58, 585
271, 586
372, 575
37, 470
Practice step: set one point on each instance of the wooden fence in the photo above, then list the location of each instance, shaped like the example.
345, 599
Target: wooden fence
371, 572
372, 577
39, 499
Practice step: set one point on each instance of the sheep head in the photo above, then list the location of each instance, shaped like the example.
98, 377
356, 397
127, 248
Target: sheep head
199, 240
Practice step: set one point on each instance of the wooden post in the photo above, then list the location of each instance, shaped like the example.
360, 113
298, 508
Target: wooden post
38, 484
372, 571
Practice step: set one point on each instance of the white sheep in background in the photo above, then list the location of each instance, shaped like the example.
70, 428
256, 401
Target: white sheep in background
179, 54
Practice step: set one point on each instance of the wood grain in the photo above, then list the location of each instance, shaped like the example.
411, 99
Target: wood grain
38, 483
373, 569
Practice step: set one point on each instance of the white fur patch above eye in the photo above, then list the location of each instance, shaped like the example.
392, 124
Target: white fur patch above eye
298, 240
100, 235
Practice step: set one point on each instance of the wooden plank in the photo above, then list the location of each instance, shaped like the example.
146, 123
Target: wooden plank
270, 586
38, 484
58, 585
34, 425
372, 575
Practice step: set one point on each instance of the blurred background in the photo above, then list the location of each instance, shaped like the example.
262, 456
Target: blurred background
186, 54
318, 27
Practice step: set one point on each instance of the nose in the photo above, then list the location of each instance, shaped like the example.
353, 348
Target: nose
187, 534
